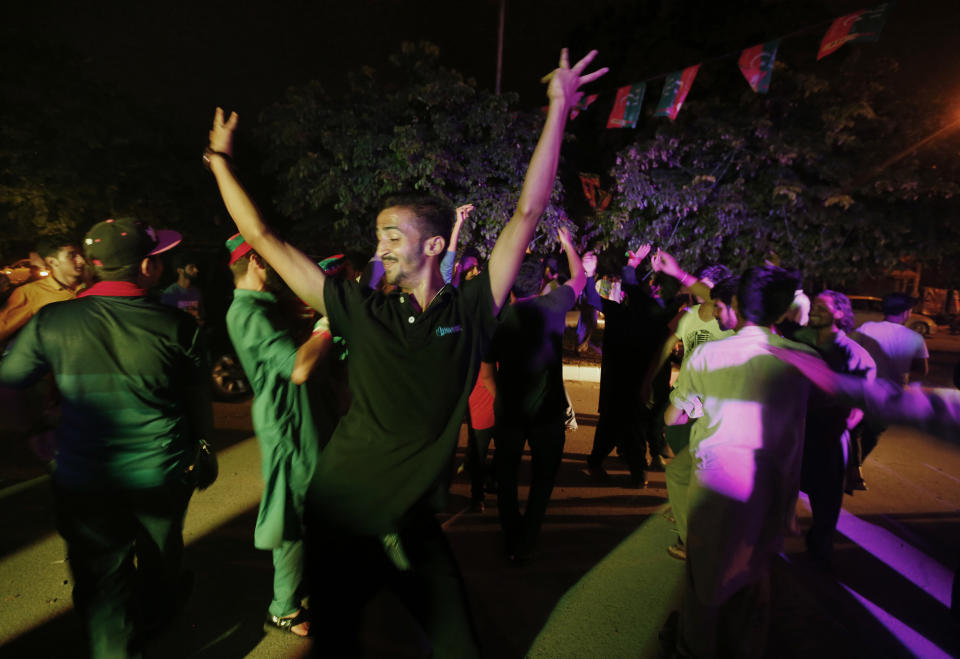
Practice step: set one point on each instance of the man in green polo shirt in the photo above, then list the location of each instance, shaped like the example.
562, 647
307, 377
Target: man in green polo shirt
290, 424
414, 356
134, 404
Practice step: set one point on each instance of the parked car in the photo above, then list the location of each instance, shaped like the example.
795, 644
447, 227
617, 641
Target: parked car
868, 308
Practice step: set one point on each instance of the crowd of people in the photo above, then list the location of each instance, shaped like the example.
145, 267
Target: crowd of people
358, 417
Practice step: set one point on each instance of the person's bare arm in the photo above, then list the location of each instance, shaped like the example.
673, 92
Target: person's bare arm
310, 355
462, 213
663, 262
488, 376
578, 278
508, 252
301, 274
674, 416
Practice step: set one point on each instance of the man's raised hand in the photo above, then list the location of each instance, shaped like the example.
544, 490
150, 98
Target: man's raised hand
564, 82
221, 134
635, 258
463, 212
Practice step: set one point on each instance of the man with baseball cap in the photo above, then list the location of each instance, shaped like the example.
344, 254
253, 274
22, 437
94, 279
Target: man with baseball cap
134, 406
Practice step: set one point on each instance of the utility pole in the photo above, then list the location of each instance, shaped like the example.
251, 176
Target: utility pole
503, 15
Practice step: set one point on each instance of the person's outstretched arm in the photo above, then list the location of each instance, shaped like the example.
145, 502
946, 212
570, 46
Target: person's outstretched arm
508, 252
663, 262
577, 277
299, 271
448, 269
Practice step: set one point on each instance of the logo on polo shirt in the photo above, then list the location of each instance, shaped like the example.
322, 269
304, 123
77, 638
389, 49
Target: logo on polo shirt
443, 331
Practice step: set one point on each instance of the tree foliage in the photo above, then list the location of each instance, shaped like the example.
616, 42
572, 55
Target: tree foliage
74, 151
412, 126
808, 173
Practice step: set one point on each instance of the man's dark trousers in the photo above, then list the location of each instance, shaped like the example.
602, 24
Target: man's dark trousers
546, 453
346, 571
104, 531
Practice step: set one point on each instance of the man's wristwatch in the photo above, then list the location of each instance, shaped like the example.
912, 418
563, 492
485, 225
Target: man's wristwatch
209, 153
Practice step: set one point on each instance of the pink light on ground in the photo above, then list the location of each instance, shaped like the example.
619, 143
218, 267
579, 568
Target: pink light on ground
911, 639
924, 572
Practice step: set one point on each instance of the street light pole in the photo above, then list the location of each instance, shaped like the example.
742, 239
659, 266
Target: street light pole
503, 14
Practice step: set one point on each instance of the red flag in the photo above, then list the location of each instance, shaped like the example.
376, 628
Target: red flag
756, 64
582, 105
627, 105
675, 90
863, 25
596, 197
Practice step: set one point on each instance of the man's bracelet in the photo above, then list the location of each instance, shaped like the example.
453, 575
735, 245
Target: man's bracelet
687, 280
208, 154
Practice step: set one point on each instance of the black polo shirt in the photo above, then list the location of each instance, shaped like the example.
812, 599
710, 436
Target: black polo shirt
410, 376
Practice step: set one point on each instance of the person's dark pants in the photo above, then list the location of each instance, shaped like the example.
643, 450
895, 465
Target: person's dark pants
103, 532
822, 474
478, 444
867, 434
621, 424
346, 571
546, 453
586, 323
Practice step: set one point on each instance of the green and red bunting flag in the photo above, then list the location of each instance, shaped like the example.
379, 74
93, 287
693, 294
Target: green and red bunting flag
582, 104
596, 197
675, 90
863, 25
756, 64
626, 107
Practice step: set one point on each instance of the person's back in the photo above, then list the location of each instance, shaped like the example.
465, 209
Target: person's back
893, 346
120, 368
527, 347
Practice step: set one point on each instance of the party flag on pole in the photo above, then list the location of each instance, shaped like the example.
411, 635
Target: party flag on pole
582, 105
675, 90
626, 107
756, 64
863, 25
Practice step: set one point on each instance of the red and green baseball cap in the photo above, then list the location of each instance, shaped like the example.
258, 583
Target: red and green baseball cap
115, 243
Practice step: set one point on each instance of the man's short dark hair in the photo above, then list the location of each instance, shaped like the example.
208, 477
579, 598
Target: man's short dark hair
51, 245
434, 215
725, 289
529, 279
841, 303
714, 272
765, 293
895, 304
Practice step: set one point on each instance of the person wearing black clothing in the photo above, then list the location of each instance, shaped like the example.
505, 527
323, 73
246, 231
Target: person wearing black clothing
529, 407
414, 355
634, 328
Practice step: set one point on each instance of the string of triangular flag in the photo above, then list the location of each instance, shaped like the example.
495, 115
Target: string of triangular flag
755, 63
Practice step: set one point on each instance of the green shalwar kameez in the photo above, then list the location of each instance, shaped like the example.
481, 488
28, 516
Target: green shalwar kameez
291, 425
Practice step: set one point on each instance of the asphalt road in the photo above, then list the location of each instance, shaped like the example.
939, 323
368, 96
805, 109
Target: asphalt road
601, 586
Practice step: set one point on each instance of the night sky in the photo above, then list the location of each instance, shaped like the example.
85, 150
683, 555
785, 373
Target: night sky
182, 58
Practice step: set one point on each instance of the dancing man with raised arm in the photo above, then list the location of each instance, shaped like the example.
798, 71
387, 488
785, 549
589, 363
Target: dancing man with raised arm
414, 355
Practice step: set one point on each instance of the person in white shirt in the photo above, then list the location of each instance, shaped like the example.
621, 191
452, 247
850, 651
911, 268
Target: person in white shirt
696, 327
746, 446
899, 352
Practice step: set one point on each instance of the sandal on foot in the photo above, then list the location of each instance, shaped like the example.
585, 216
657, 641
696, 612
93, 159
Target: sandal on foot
287, 624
